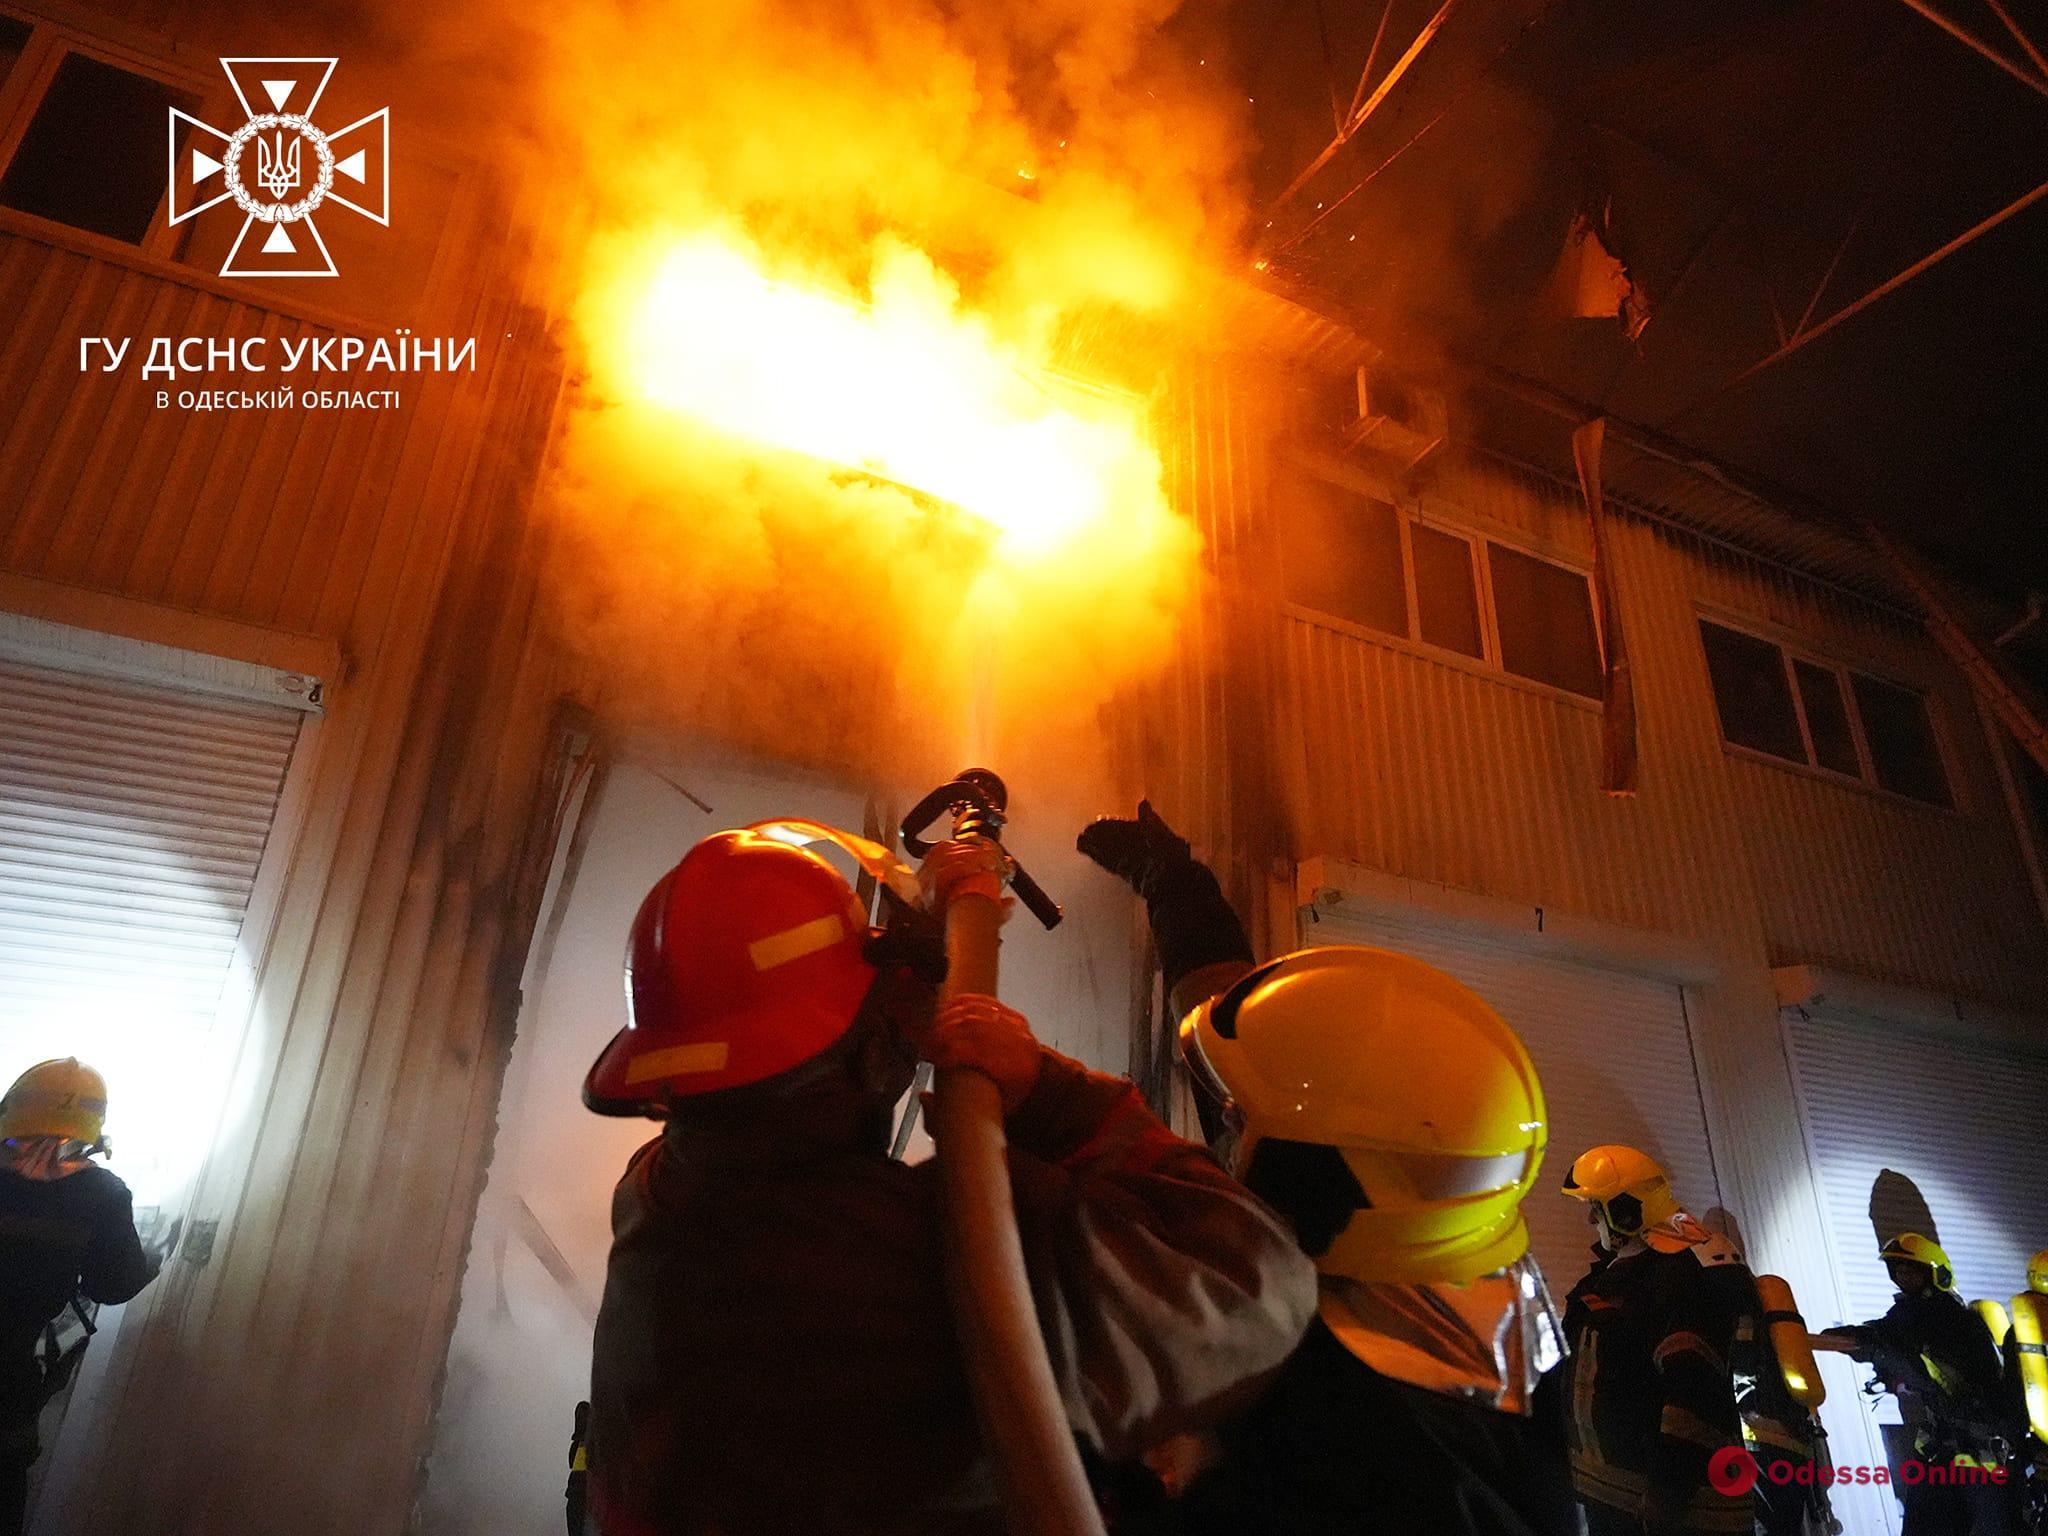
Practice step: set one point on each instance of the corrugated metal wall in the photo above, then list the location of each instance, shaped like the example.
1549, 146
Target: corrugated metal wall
1430, 770
1353, 749
286, 1382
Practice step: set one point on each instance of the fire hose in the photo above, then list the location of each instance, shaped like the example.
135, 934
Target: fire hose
1016, 1399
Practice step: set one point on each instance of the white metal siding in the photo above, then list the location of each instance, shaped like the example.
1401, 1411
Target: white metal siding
132, 821
1614, 1054
1962, 1122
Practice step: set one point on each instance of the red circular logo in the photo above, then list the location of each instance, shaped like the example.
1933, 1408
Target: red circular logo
1732, 1471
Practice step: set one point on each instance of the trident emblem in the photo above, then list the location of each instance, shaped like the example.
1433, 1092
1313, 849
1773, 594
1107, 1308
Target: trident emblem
277, 165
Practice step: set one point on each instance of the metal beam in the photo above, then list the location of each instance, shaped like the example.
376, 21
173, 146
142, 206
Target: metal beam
2019, 37
1371, 57
1329, 66
1358, 118
1983, 50
2008, 695
1806, 317
1891, 284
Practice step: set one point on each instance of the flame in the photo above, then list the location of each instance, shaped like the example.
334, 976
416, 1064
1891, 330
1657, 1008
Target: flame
900, 382
828, 488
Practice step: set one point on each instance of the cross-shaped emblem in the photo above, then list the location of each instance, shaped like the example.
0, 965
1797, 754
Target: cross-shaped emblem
279, 167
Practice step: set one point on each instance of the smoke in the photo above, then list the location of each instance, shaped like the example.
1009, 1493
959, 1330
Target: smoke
867, 303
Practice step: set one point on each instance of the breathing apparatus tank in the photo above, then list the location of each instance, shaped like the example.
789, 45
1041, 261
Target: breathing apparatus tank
1995, 1320
2029, 1325
1788, 1341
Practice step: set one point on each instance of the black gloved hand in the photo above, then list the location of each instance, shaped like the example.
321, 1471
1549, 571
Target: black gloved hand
1140, 853
911, 937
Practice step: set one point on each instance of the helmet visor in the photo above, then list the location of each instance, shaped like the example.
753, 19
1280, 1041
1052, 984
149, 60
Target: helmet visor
1442, 1177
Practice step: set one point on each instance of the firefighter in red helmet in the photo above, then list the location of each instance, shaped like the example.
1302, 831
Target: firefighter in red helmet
774, 1352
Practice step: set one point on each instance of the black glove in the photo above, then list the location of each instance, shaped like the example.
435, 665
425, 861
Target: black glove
1192, 925
1144, 853
910, 937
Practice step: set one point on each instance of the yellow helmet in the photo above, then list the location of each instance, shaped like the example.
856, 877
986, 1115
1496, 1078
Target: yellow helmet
2037, 1272
63, 1097
1628, 1188
1912, 1248
1382, 1106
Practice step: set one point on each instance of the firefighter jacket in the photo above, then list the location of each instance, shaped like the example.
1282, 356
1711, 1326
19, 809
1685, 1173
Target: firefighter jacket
775, 1352
1648, 1385
58, 1238
1333, 1448
1452, 1430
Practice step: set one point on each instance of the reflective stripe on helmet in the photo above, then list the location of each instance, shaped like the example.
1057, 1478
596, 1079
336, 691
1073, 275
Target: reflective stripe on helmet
794, 943
677, 1060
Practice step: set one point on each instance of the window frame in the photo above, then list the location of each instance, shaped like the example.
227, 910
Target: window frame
23, 92
1791, 650
1479, 535
157, 254
1584, 573
1482, 589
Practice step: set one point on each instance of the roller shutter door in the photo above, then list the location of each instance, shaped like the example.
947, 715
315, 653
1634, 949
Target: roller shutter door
1890, 1111
133, 818
1907, 1127
1614, 1053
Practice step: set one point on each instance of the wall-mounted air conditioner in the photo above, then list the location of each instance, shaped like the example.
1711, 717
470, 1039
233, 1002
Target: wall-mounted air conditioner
1399, 423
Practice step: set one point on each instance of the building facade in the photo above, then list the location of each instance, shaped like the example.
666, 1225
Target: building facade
1804, 962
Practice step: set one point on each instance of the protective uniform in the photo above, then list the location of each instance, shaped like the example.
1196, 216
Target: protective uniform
2026, 1366
1649, 1382
1932, 1352
775, 1352
1396, 1121
66, 1230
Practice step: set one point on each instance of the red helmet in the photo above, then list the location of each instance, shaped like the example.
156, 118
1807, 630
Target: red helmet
746, 960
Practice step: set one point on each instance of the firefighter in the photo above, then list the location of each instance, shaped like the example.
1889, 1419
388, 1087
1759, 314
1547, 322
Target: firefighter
67, 1230
774, 1351
1653, 1326
1932, 1352
1397, 1122
2026, 1367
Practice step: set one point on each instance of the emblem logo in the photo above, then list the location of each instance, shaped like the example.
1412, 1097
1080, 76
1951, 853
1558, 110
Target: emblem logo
279, 167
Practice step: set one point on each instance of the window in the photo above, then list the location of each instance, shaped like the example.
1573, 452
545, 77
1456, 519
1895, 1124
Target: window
1446, 598
1751, 693
1342, 553
92, 156
13, 39
1358, 558
1813, 712
1827, 718
2034, 791
1902, 745
135, 817
1545, 613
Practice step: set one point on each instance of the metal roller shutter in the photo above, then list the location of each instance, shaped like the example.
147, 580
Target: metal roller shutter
1960, 1122
133, 818
1615, 1057
1904, 1125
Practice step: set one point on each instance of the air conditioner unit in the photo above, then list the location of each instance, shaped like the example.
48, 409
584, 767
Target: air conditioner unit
1398, 423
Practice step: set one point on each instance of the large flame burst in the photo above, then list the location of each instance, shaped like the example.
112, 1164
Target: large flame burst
900, 382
